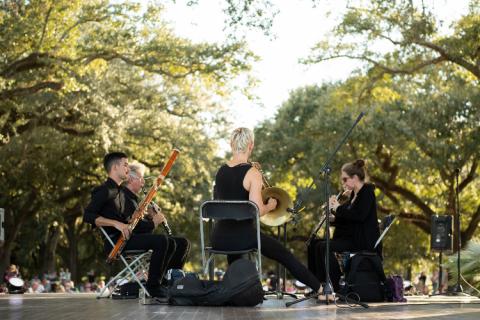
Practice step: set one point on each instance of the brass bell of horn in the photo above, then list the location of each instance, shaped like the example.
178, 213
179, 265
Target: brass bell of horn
279, 215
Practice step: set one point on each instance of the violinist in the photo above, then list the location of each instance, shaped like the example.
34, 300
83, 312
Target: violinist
355, 221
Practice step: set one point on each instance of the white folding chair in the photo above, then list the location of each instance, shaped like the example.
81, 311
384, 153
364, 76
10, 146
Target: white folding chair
235, 210
136, 264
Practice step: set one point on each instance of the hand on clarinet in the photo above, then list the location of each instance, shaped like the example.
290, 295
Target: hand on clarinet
150, 213
158, 219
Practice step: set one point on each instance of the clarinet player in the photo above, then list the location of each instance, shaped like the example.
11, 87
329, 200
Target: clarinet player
132, 188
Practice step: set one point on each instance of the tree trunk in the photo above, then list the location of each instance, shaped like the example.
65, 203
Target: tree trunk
49, 261
11, 232
5, 254
73, 250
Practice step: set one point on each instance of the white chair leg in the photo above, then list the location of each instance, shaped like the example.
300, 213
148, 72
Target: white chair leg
206, 267
135, 264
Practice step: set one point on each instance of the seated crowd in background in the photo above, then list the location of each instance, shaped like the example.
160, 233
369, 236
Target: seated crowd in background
54, 282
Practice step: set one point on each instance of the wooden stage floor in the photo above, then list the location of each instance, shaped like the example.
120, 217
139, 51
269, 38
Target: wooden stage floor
85, 306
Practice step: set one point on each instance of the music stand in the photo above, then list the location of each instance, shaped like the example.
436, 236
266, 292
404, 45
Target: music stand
325, 171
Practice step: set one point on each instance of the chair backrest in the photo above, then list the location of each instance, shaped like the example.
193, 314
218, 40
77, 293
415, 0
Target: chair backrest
232, 209
229, 210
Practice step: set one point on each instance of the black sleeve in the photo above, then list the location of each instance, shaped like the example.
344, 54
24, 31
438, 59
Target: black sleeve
358, 211
92, 211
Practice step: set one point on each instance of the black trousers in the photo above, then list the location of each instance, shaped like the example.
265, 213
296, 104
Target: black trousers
167, 253
274, 250
179, 257
163, 250
316, 259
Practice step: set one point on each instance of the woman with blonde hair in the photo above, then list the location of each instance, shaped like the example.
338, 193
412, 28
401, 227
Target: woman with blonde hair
237, 179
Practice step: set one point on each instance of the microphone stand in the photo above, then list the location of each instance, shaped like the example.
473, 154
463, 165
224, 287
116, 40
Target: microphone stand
325, 171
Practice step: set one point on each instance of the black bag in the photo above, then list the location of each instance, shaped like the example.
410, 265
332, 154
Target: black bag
129, 290
240, 287
365, 277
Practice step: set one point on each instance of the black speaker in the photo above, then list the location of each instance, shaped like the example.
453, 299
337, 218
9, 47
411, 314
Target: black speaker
441, 233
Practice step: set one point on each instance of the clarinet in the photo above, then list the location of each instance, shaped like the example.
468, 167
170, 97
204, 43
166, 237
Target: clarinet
165, 225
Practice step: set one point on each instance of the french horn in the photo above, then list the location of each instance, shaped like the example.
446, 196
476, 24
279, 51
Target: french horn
279, 215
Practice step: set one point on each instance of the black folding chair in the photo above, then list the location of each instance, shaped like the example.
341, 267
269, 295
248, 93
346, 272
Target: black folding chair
215, 210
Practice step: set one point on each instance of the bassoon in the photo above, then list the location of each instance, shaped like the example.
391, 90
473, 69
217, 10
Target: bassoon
142, 207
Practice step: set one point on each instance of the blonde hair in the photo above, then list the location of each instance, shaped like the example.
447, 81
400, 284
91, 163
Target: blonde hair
240, 139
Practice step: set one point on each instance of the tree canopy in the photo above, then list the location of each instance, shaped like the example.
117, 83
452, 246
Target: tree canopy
402, 38
81, 78
415, 135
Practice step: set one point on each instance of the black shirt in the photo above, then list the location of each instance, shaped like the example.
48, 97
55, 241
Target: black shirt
360, 218
131, 204
229, 186
229, 182
108, 201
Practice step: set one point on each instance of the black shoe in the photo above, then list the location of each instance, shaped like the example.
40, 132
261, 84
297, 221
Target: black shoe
159, 292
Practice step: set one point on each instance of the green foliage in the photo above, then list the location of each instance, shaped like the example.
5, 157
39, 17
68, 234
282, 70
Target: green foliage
469, 267
417, 131
402, 37
81, 78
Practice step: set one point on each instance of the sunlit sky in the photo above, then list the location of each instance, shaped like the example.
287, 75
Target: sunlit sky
297, 27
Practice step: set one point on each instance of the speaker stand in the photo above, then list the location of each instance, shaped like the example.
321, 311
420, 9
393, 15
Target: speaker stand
457, 290
440, 272
440, 276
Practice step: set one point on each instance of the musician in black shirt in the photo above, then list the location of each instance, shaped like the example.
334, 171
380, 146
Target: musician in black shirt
239, 180
107, 209
355, 221
132, 188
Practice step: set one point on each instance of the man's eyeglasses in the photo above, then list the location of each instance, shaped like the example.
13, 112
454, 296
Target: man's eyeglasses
136, 177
